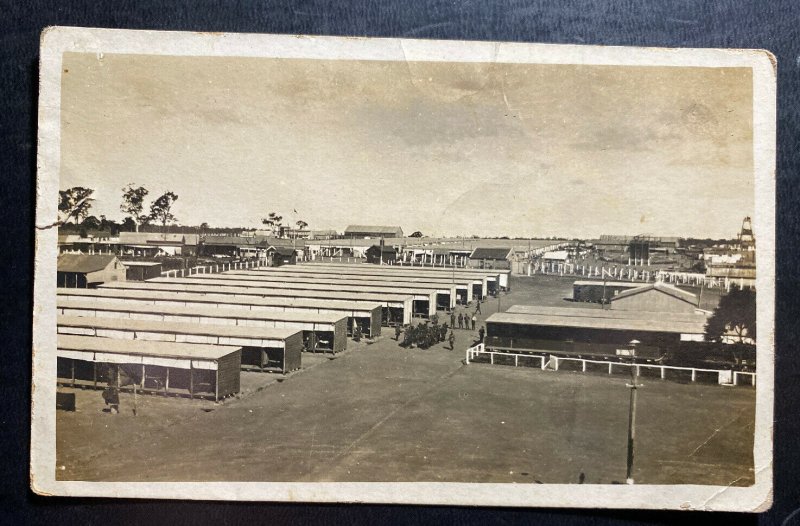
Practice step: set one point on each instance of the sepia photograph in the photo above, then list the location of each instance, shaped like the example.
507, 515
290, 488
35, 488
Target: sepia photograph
326, 269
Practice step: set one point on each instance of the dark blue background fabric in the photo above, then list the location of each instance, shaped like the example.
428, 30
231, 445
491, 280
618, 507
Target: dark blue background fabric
772, 25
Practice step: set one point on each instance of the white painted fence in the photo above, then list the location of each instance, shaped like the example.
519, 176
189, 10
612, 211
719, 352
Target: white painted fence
213, 268
724, 376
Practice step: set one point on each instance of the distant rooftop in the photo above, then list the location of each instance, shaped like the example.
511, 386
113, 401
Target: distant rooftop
377, 230
83, 263
490, 253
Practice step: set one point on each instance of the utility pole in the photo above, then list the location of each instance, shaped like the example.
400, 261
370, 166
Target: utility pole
633, 386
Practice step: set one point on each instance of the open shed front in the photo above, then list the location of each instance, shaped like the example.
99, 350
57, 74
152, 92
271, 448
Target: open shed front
156, 367
283, 359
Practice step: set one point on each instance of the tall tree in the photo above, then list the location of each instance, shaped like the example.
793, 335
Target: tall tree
74, 203
734, 316
160, 209
274, 221
133, 204
301, 224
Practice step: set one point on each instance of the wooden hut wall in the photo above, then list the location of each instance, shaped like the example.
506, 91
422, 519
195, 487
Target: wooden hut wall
229, 374
292, 352
340, 336
375, 322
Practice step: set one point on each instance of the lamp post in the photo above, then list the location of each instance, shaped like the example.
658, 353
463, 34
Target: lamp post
632, 412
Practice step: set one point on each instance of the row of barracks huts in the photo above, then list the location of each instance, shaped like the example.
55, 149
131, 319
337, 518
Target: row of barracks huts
192, 336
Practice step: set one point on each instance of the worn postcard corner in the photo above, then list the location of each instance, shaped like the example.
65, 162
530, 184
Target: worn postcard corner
323, 269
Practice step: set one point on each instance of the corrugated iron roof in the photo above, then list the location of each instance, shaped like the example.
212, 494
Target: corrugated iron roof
197, 329
605, 313
238, 290
198, 310
68, 342
155, 294
655, 323
84, 263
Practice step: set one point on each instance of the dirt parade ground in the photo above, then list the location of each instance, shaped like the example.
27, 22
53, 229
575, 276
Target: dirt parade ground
379, 412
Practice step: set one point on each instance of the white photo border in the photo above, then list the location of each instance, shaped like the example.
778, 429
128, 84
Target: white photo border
58, 40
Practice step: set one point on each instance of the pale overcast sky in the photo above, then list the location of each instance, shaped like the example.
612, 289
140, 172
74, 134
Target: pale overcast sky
444, 148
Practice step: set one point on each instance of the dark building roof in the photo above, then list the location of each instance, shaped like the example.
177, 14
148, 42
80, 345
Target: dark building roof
84, 263
374, 230
490, 253
384, 249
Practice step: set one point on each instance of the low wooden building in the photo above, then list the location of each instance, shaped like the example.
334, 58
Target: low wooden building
322, 332
280, 256
490, 258
575, 332
381, 255
263, 348
373, 231
596, 291
88, 270
397, 307
367, 315
142, 270
211, 371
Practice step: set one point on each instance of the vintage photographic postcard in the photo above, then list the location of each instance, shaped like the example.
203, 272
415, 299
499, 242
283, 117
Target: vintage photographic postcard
321, 269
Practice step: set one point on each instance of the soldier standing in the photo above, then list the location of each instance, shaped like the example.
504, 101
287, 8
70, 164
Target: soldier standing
474, 319
460, 321
452, 340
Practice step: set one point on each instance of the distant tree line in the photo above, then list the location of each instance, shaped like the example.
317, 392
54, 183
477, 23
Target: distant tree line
74, 205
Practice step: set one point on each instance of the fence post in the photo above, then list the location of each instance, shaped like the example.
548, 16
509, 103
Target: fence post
516, 360
663, 373
491, 358
555, 366
469, 351
609, 367
694, 374
583, 366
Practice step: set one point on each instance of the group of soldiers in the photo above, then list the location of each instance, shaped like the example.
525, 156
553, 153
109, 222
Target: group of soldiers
424, 335
464, 319
431, 332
